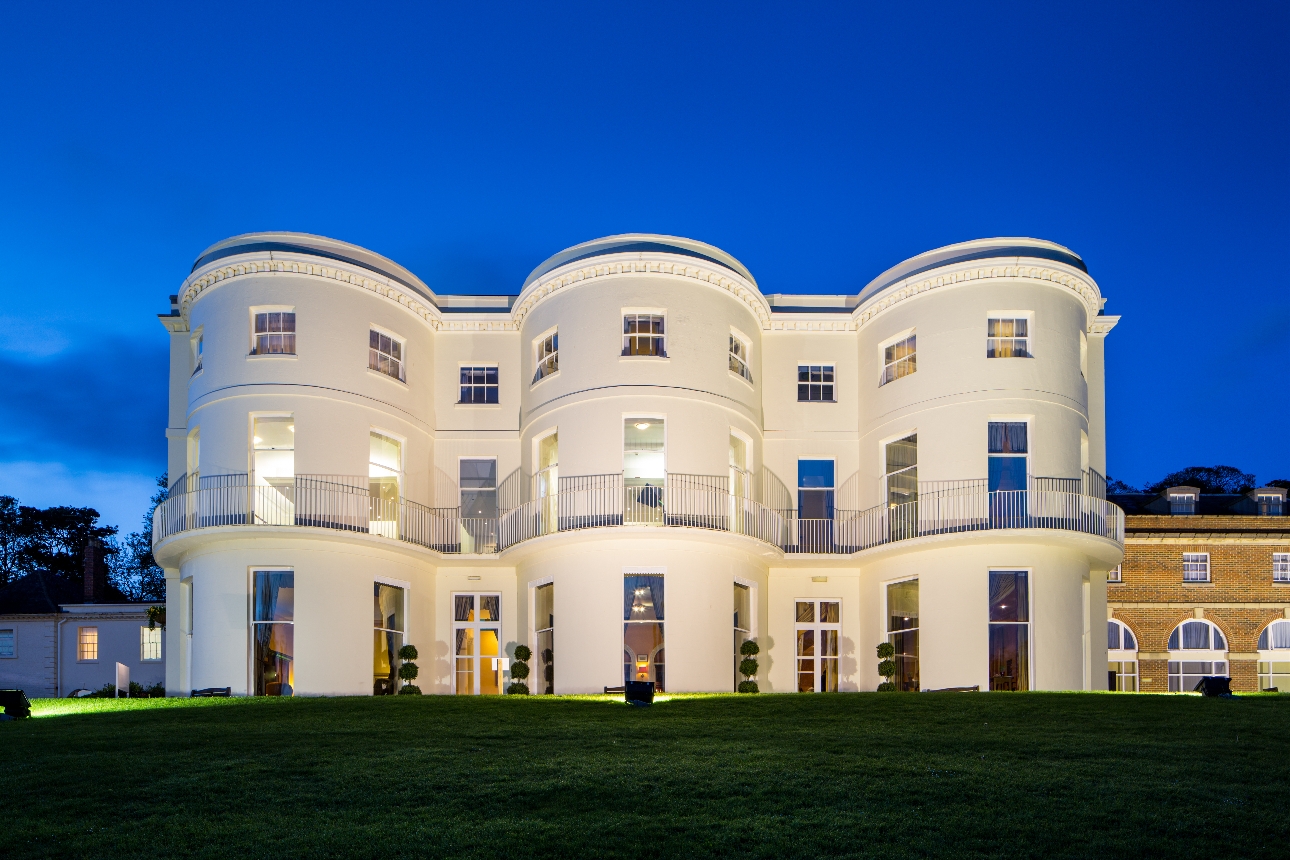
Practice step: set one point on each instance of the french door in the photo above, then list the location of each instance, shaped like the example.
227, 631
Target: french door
477, 639
818, 628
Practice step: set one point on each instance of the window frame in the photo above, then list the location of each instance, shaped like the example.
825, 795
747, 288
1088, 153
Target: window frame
13, 643
251, 621
144, 631
1122, 657
892, 634
82, 643
537, 675
743, 362
404, 587
1194, 558
478, 625
1028, 624
1116, 574
750, 632
381, 331
662, 624
494, 387
1013, 316
817, 626
636, 314
911, 357
275, 309
540, 359
810, 366
196, 346
1281, 567
1180, 648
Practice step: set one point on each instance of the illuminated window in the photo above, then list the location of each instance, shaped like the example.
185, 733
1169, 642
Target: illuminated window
546, 356
643, 335
477, 638
275, 333
149, 643
385, 354
1007, 338
899, 359
817, 627
87, 643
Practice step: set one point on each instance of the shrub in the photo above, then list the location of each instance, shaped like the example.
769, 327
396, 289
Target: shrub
885, 650
748, 666
408, 672
519, 671
748, 687
750, 648
886, 687
408, 652
523, 653
518, 688
887, 667
409, 690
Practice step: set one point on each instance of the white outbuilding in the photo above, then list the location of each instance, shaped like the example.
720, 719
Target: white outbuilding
632, 467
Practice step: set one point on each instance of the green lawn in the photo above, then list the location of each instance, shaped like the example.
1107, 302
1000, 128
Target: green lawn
896, 775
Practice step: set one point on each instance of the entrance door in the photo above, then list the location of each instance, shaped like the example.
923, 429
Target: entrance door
818, 629
477, 638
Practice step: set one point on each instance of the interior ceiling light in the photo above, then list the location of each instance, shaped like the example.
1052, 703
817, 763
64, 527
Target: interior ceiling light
642, 425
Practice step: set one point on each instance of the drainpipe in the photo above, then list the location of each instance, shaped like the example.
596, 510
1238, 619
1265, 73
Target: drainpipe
58, 661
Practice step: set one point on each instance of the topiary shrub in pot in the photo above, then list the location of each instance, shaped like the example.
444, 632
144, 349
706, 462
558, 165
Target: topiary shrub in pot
408, 671
886, 667
748, 666
519, 671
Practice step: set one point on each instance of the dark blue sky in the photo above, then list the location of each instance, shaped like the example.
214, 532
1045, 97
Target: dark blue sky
819, 147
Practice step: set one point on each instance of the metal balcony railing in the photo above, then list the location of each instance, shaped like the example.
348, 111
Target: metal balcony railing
351, 503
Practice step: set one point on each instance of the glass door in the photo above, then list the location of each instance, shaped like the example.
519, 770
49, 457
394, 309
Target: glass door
273, 461
902, 487
477, 639
644, 471
643, 629
387, 635
548, 481
1009, 447
818, 628
384, 470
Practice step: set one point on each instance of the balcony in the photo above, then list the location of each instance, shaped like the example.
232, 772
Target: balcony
345, 503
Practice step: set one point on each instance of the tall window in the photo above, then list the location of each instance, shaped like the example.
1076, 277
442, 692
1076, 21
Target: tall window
478, 385
384, 472
149, 643
1195, 567
815, 495
1196, 649
87, 643
273, 630
385, 354
1008, 448
644, 470
1009, 630
275, 333
8, 643
818, 628
387, 636
743, 625
477, 643
739, 358
544, 621
901, 481
1122, 658
1274, 656
546, 356
1007, 338
192, 458
547, 480
902, 632
899, 359
477, 480
643, 657
196, 345
643, 335
815, 383
273, 459
1281, 567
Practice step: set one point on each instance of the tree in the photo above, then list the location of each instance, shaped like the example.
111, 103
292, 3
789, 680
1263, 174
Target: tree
134, 570
47, 539
1283, 483
1114, 485
1208, 479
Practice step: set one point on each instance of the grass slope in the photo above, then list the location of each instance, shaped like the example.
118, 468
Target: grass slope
902, 775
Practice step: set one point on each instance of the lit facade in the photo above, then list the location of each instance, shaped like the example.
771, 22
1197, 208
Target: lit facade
632, 466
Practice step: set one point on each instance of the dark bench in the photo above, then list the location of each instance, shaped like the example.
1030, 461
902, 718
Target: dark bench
15, 704
212, 693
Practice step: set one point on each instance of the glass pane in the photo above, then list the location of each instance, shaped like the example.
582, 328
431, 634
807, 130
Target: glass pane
806, 643
463, 607
275, 592
544, 683
272, 670
642, 597
1007, 437
479, 503
902, 605
1007, 473
902, 453
385, 662
274, 434
489, 643
742, 610
815, 474
1195, 634
1112, 636
828, 643
465, 642
1009, 657
387, 607
1009, 600
805, 612
643, 652
385, 453
477, 474
829, 674
490, 676
830, 613
465, 676
490, 607
544, 607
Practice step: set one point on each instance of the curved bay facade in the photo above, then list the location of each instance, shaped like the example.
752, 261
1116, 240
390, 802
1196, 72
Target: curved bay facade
633, 466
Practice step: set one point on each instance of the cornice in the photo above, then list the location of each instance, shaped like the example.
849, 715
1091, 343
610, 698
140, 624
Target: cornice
633, 263
1102, 325
1063, 277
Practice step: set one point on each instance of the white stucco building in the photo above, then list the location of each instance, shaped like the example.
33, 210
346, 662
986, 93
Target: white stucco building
632, 466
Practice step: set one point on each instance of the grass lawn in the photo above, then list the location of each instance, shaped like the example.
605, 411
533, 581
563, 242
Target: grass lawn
898, 775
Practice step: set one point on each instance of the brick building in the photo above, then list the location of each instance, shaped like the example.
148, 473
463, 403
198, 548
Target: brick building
1204, 589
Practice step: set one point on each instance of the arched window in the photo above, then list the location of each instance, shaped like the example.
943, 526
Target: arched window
1122, 658
1274, 656
1197, 649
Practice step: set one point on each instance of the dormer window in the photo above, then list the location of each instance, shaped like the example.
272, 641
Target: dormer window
1271, 501
1183, 504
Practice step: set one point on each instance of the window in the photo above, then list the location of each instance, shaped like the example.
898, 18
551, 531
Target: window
818, 628
8, 643
477, 648
1204, 644
273, 463
385, 354
149, 643
1269, 505
192, 458
899, 359
273, 631
87, 643
1009, 630
1198, 635
1007, 449
1274, 656
902, 632
743, 625
739, 359
643, 335
1182, 504
1007, 338
195, 344
275, 333
643, 639
1122, 658
1115, 574
384, 475
644, 470
544, 621
815, 489
478, 385
546, 356
387, 635
477, 482
901, 480
1195, 567
815, 383
1281, 567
